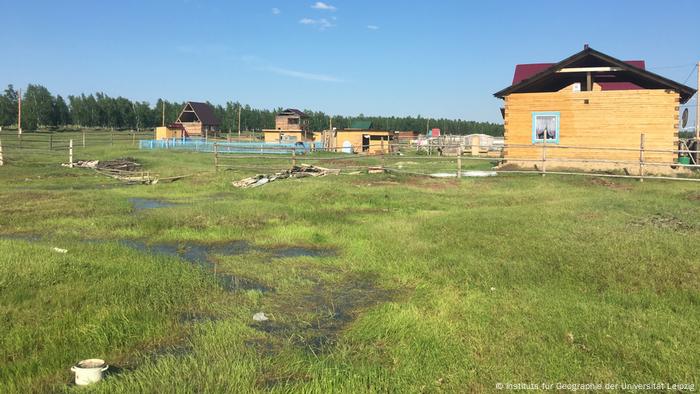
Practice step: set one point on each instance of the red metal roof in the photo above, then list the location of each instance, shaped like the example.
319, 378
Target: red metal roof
525, 71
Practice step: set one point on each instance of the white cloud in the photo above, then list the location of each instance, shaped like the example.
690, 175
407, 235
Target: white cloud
319, 5
276, 11
303, 75
373, 27
321, 24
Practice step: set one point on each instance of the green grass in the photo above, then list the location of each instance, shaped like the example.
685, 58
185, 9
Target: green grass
432, 285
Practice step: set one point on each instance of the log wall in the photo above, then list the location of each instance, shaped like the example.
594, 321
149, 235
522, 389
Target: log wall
595, 119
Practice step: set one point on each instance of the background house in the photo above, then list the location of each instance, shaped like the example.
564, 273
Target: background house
361, 138
589, 102
291, 125
198, 120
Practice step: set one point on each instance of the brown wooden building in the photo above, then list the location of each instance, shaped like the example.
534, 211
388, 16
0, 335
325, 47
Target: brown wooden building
291, 125
199, 120
586, 103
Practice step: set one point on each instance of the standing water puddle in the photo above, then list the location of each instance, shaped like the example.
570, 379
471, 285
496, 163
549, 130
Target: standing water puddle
202, 256
141, 204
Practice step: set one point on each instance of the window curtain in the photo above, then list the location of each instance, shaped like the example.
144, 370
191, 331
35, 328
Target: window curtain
548, 124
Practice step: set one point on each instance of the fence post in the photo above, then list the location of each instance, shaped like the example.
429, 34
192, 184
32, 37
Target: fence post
216, 159
459, 161
70, 153
544, 155
641, 157
2, 162
83, 138
51, 141
383, 154
111, 138
294, 157
133, 138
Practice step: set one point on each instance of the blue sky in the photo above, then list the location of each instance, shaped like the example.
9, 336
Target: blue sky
437, 58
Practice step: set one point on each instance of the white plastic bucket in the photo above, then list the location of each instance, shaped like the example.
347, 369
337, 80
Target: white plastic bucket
89, 371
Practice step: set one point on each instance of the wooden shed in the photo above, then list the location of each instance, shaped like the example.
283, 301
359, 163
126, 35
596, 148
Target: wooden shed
587, 104
360, 137
198, 120
291, 125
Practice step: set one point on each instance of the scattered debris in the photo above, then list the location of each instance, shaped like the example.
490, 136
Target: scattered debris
260, 316
126, 170
493, 289
125, 164
59, 250
302, 171
465, 174
376, 170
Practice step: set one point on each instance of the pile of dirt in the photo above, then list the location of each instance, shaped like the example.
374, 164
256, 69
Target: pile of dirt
302, 171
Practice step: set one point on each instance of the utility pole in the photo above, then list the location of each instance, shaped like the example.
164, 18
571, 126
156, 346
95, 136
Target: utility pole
163, 105
19, 113
697, 113
239, 122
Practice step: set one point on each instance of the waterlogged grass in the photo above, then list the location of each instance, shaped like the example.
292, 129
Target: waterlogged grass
423, 285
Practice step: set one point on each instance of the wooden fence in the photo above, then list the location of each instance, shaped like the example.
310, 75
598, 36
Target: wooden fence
403, 158
55, 147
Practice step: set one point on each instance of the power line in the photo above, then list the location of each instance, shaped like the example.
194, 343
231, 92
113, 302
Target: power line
669, 67
690, 74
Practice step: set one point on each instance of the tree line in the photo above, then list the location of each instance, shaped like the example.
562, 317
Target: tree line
41, 109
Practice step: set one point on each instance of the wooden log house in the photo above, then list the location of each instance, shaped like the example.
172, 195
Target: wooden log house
586, 103
291, 125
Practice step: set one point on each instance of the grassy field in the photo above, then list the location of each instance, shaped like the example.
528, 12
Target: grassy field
370, 282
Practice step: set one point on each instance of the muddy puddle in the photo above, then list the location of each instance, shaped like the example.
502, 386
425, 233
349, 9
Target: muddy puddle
315, 318
142, 204
204, 256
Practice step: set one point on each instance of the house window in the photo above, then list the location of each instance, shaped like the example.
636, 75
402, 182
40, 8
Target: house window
545, 124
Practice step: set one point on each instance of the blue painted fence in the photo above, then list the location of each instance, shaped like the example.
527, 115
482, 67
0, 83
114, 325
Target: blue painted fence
200, 145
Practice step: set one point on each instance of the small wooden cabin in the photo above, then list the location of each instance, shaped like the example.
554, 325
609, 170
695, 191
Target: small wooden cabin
360, 137
586, 103
198, 120
291, 125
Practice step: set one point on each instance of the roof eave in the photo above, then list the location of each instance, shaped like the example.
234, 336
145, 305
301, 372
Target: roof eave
685, 92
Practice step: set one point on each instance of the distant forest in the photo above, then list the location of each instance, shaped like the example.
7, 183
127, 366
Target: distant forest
41, 109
